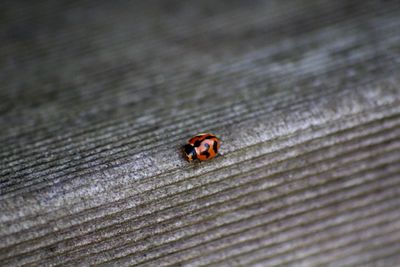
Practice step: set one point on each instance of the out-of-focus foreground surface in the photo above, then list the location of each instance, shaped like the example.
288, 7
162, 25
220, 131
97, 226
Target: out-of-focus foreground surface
96, 98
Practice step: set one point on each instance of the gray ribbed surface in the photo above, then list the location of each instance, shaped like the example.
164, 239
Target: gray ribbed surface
97, 98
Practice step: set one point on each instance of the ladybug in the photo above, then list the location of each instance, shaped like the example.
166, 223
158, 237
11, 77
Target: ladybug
203, 146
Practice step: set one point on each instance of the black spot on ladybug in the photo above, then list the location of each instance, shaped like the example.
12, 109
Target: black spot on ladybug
215, 147
210, 137
205, 153
197, 143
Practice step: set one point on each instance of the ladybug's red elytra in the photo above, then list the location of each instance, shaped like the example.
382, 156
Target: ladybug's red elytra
203, 146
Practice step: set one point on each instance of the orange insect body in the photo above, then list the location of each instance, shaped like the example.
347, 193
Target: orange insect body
203, 146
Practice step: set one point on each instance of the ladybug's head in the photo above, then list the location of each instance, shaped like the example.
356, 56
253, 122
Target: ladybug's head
189, 152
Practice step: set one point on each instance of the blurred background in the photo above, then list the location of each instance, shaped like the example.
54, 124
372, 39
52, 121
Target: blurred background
98, 97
